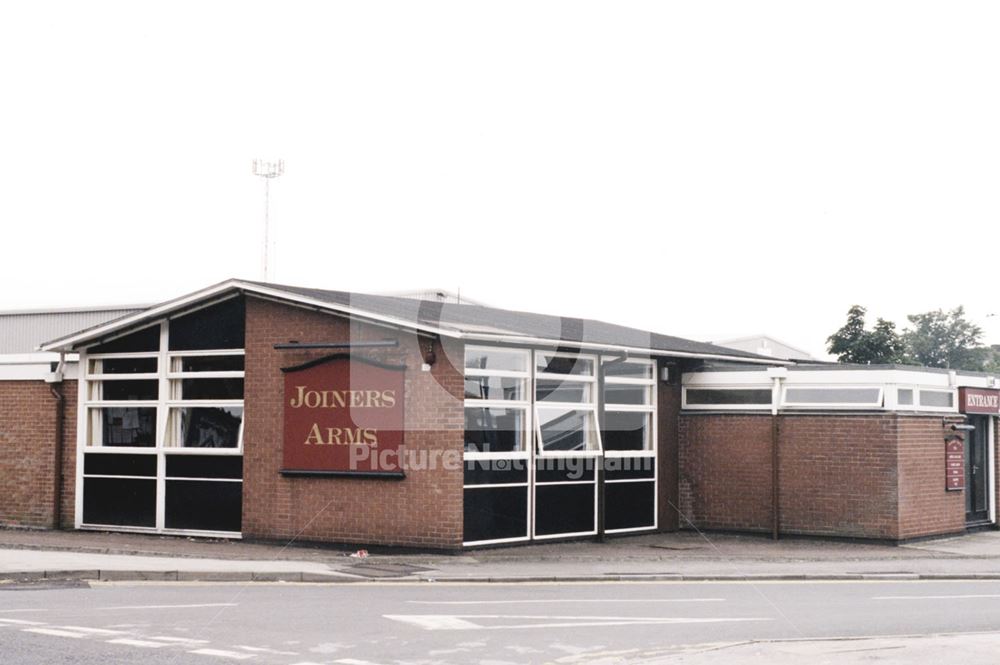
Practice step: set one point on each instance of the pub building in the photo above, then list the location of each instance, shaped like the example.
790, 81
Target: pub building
259, 411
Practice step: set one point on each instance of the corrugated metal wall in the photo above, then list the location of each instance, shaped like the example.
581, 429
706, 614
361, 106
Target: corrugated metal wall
22, 332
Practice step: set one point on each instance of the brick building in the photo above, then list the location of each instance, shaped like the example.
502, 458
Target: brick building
263, 411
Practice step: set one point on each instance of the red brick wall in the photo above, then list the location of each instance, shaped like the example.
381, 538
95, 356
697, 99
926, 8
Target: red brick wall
925, 508
866, 476
70, 391
725, 471
668, 408
27, 453
838, 475
424, 509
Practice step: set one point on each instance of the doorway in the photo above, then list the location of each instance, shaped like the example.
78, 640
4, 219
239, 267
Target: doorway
977, 472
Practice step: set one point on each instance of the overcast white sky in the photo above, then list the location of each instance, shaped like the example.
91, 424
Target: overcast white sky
704, 169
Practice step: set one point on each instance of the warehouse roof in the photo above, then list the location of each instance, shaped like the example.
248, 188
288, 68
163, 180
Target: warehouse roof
469, 322
20, 331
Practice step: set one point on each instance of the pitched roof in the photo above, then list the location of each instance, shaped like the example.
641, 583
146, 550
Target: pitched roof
20, 331
470, 322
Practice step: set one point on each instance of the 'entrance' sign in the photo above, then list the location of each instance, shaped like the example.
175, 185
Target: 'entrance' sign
343, 414
979, 400
954, 464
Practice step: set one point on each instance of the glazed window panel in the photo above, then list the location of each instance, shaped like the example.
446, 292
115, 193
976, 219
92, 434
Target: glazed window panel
568, 430
727, 396
572, 365
496, 360
124, 366
494, 430
555, 390
833, 396
938, 399
133, 426
226, 363
207, 389
626, 394
495, 388
628, 431
205, 427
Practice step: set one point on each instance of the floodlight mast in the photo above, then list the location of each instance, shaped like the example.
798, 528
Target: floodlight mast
267, 171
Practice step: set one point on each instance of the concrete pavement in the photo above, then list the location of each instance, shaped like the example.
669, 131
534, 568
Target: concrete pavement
33, 555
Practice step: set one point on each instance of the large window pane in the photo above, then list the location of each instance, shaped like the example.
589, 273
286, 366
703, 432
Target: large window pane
563, 391
220, 326
496, 360
208, 364
495, 387
205, 426
626, 431
142, 389
123, 366
210, 389
727, 396
627, 370
619, 393
491, 430
123, 426
147, 339
553, 364
567, 429
832, 395
936, 398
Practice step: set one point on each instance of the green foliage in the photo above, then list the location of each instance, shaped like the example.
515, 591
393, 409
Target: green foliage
854, 344
939, 339
933, 339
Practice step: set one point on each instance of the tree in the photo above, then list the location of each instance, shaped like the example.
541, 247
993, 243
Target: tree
854, 344
939, 339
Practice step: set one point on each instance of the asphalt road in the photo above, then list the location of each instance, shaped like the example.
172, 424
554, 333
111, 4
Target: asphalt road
364, 624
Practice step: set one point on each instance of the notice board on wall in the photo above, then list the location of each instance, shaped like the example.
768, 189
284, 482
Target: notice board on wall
954, 464
343, 415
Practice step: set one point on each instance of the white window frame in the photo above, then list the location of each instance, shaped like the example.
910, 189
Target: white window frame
162, 404
877, 405
727, 407
586, 407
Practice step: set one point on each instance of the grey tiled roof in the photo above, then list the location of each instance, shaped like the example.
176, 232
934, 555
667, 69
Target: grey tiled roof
479, 320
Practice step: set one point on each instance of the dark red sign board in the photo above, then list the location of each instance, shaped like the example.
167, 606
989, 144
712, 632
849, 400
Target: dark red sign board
979, 400
343, 415
954, 464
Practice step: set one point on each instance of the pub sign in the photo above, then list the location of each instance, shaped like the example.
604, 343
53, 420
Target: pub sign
343, 415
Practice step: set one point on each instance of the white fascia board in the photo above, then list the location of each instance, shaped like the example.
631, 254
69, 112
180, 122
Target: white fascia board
35, 367
614, 348
168, 307
843, 377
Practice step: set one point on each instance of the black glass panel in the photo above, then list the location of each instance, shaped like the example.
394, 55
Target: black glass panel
496, 512
217, 327
204, 466
629, 468
119, 465
494, 430
204, 505
126, 366
142, 389
621, 393
212, 364
128, 426
147, 339
495, 471
121, 502
628, 370
212, 388
625, 430
710, 396
564, 509
209, 427
564, 469
628, 505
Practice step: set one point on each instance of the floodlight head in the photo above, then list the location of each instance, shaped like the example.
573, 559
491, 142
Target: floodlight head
266, 169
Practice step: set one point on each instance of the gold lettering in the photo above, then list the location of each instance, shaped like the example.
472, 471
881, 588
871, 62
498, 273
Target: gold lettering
389, 398
370, 436
314, 436
297, 400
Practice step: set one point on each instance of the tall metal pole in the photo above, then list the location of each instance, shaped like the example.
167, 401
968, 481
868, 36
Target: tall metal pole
267, 171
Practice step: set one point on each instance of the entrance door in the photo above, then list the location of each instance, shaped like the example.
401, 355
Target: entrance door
977, 473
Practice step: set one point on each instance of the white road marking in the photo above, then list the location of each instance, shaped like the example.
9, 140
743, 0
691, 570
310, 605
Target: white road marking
166, 607
266, 650
98, 631
555, 600
54, 632
185, 640
22, 622
461, 621
138, 643
970, 595
222, 653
